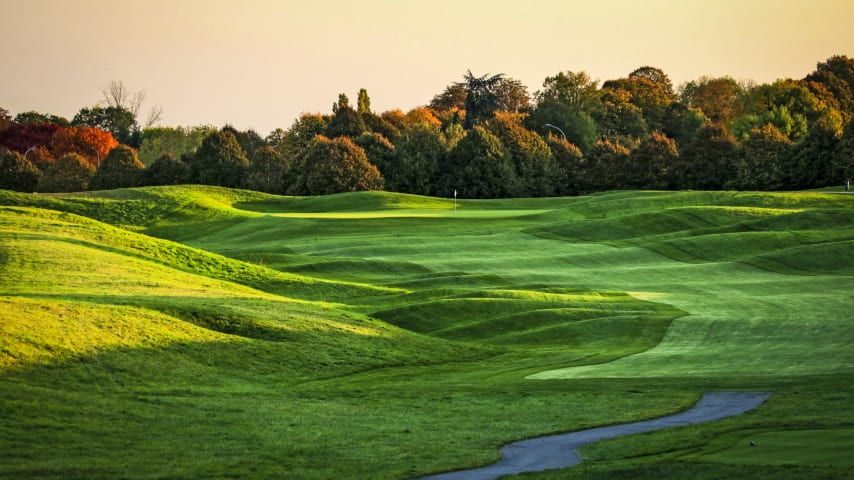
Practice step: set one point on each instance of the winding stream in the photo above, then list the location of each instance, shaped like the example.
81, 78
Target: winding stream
558, 451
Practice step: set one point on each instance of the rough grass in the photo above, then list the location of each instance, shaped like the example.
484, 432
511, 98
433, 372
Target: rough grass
188, 332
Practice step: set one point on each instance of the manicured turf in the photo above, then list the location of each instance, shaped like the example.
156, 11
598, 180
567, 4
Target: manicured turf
190, 332
821, 448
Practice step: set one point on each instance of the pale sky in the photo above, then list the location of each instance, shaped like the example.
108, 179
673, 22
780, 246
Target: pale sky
260, 63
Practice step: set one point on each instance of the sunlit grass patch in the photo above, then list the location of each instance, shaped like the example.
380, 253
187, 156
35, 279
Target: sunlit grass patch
203, 332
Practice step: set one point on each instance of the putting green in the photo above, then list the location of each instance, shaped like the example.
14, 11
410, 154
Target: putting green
820, 447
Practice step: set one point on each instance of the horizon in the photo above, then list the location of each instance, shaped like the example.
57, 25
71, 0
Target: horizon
260, 64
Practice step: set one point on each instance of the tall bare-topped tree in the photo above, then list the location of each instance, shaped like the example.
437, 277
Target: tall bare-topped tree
117, 95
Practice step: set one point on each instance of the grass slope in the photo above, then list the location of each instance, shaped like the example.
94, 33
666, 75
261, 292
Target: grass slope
189, 331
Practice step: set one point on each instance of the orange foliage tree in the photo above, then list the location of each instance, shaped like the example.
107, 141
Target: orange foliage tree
93, 144
417, 117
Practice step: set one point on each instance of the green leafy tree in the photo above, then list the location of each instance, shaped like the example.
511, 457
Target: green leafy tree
512, 95
301, 133
120, 122
70, 173
478, 167
167, 170
576, 90
836, 77
657, 77
531, 156
334, 166
343, 102
364, 103
788, 105
760, 165
682, 123
618, 117
708, 162
219, 160
571, 172
249, 140
452, 134
810, 160
651, 165
718, 98
578, 126
345, 121
417, 156
379, 150
268, 171
174, 141
651, 91
452, 98
377, 124
17, 173
276, 138
606, 165
842, 163
36, 118
120, 169
482, 99
686, 91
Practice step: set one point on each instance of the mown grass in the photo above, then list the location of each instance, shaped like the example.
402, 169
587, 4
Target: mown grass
188, 332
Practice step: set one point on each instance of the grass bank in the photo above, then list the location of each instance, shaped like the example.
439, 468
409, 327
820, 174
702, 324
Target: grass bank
189, 332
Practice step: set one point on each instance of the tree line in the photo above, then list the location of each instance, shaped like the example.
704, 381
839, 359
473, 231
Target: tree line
483, 137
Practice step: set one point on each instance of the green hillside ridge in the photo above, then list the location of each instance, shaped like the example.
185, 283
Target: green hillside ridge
189, 332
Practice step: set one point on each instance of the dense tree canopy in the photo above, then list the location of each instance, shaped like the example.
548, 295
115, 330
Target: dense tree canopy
482, 137
120, 122
93, 144
17, 173
36, 118
576, 90
21, 136
708, 162
334, 166
452, 98
760, 164
70, 173
267, 171
167, 170
173, 141
219, 160
482, 99
529, 154
120, 169
478, 167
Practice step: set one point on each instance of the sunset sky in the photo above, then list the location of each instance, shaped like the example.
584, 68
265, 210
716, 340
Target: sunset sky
260, 63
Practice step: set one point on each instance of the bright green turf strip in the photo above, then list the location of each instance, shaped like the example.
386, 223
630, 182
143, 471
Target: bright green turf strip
236, 377
820, 447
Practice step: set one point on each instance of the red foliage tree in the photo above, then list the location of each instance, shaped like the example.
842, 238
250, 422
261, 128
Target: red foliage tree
20, 138
93, 144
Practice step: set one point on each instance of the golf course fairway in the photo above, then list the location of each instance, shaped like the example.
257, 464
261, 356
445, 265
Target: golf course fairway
202, 332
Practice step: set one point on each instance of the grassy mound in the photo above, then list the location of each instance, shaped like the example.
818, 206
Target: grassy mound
191, 331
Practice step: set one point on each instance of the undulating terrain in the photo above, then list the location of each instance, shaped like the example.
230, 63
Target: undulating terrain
199, 332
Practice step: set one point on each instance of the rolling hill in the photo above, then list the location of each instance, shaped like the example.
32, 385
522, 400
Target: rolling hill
191, 331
